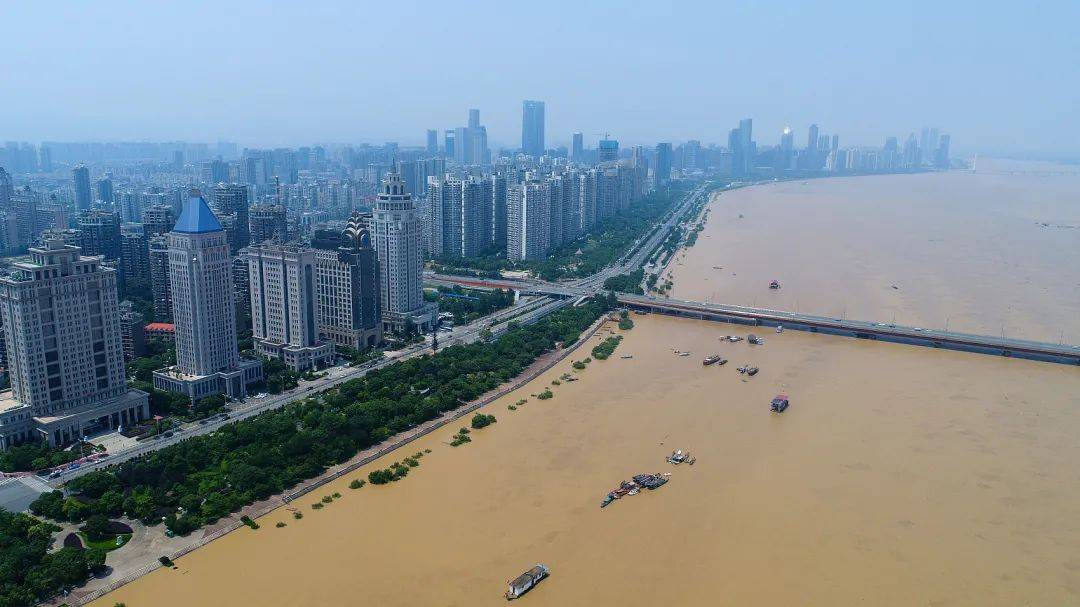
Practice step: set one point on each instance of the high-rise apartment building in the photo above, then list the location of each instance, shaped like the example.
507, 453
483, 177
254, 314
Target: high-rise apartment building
268, 222
284, 319
608, 150
105, 189
432, 142
498, 211
62, 333
200, 279
577, 148
157, 220
84, 197
662, 172
401, 263
231, 200
532, 128
99, 233
158, 254
528, 223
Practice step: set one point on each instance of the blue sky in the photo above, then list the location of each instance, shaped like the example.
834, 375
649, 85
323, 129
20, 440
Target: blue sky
1001, 77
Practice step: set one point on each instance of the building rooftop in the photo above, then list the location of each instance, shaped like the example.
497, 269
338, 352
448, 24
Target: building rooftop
197, 218
161, 326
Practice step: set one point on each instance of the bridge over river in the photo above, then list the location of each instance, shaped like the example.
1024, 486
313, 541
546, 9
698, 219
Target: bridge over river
935, 338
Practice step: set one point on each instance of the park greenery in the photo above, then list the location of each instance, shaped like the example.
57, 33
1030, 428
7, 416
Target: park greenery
469, 304
625, 322
606, 348
626, 283
29, 573
608, 240
204, 478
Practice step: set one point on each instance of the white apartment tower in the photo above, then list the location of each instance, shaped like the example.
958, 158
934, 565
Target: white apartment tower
200, 278
401, 262
284, 317
528, 226
61, 323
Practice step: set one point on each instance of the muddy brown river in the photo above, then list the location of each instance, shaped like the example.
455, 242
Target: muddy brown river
899, 476
989, 254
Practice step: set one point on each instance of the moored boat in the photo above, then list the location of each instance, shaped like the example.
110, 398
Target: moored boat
712, 359
779, 404
526, 581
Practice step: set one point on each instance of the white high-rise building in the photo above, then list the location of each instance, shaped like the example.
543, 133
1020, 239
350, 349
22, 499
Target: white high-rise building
401, 262
61, 323
284, 318
528, 226
200, 278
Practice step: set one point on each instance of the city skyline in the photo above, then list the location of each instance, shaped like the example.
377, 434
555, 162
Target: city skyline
655, 75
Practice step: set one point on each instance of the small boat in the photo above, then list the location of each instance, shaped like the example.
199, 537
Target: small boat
683, 353
751, 371
626, 356
754, 339
525, 582
607, 500
734, 338
779, 328
721, 362
711, 360
779, 404
774, 284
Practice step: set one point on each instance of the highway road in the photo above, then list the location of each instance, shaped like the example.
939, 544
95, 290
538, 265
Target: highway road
526, 311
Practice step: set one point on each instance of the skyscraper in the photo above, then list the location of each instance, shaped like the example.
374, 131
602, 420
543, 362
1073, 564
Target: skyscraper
662, 172
284, 312
577, 150
608, 150
812, 139
474, 118
532, 128
401, 262
449, 149
941, 156
83, 195
200, 277
432, 142
347, 275
744, 157
158, 251
105, 189
62, 332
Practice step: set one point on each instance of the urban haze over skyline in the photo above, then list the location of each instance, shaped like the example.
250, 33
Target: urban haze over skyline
336, 72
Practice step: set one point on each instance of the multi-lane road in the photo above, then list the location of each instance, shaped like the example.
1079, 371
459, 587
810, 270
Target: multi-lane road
527, 311
548, 298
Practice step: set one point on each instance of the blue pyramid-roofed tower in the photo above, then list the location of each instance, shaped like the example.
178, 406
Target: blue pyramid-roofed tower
197, 218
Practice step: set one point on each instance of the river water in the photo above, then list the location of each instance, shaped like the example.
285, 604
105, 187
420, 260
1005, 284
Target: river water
899, 476
958, 250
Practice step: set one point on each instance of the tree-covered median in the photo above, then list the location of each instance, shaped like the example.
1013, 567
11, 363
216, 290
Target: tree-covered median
204, 478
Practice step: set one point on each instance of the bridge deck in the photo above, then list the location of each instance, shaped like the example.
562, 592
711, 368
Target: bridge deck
989, 344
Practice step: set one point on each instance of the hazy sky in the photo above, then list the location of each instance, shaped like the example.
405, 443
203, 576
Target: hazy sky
1001, 77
